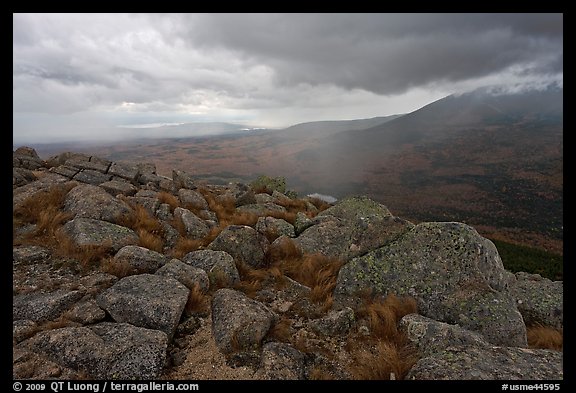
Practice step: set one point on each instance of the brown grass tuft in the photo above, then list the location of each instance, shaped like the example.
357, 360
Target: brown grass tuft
320, 374
383, 361
320, 204
150, 241
545, 337
89, 256
281, 330
198, 301
166, 197
383, 315
117, 268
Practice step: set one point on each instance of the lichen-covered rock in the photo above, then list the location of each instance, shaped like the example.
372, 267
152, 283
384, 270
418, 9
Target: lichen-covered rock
86, 312
139, 259
219, 265
106, 350
352, 227
192, 198
455, 275
146, 300
188, 275
23, 329
183, 179
244, 243
125, 171
539, 300
431, 336
38, 306
261, 209
27, 158
91, 176
270, 184
30, 254
238, 322
195, 226
91, 232
22, 176
89, 201
275, 226
149, 203
282, 361
302, 223
116, 187
490, 363
335, 323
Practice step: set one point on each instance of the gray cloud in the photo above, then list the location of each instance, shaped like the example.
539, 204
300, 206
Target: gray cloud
264, 67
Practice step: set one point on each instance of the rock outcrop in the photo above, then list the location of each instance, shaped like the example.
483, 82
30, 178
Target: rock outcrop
119, 269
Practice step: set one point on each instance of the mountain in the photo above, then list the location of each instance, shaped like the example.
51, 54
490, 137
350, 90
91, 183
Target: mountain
491, 159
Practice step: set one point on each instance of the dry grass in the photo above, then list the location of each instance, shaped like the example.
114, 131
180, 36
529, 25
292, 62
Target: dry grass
89, 256
150, 241
281, 330
320, 204
383, 315
117, 268
166, 197
198, 301
545, 337
320, 374
383, 360
287, 216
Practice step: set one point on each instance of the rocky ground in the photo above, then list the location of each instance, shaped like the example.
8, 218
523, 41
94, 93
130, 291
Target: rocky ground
121, 273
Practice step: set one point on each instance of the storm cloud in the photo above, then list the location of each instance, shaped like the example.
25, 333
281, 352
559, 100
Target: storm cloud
265, 69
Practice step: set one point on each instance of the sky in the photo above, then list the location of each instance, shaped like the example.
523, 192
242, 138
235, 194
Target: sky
90, 76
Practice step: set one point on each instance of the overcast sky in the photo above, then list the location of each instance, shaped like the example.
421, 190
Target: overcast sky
82, 75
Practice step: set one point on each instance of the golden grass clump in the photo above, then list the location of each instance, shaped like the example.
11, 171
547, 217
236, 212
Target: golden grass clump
384, 360
166, 197
383, 315
545, 337
281, 330
198, 301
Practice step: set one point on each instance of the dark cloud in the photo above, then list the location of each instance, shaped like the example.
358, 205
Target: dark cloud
272, 67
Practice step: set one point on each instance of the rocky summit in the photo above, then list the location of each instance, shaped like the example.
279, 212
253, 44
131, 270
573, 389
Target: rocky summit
122, 273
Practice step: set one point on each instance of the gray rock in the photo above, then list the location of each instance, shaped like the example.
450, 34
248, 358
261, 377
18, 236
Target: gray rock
336, 323
146, 168
275, 225
22, 176
47, 181
38, 306
431, 336
27, 158
244, 243
91, 232
115, 187
61, 158
125, 171
147, 194
26, 151
219, 265
164, 212
183, 179
87, 164
492, 363
146, 300
92, 177
150, 204
106, 350
263, 198
271, 184
539, 300
65, 170
23, 329
188, 275
192, 198
88, 201
150, 179
195, 226
351, 228
30, 254
238, 322
455, 275
139, 259
86, 312
302, 223
282, 361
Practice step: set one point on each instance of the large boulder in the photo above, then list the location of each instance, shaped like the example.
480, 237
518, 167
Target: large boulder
146, 300
238, 322
351, 228
195, 226
89, 201
183, 179
489, 363
192, 198
275, 226
282, 361
91, 232
188, 275
455, 275
539, 300
139, 259
244, 243
38, 306
116, 187
106, 350
219, 265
